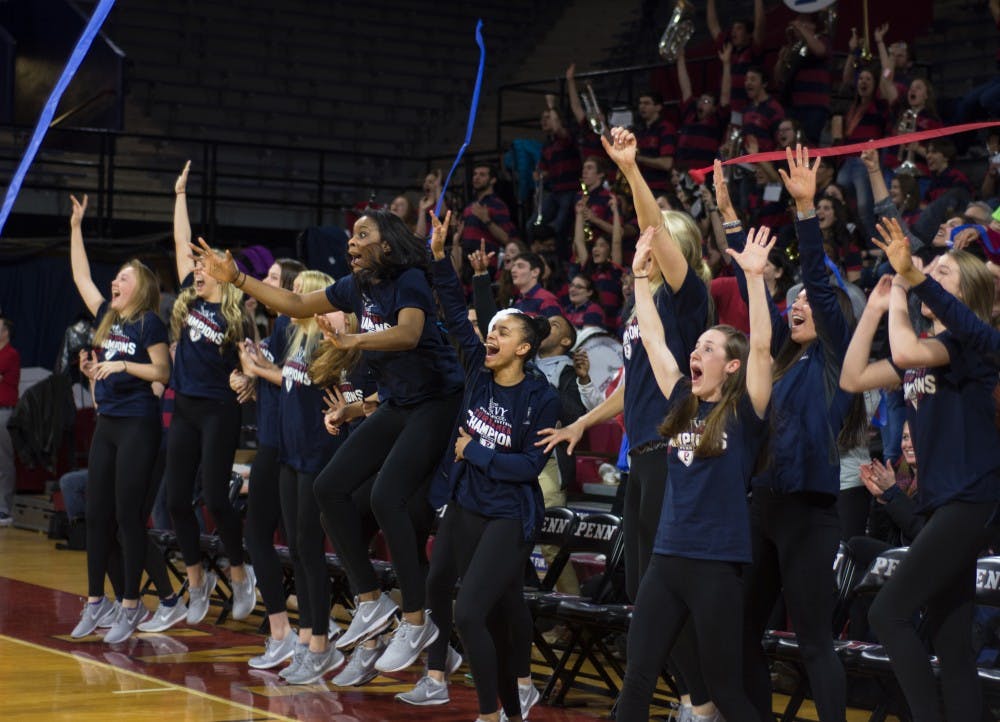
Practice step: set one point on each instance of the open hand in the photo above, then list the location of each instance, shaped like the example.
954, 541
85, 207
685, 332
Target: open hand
753, 259
722, 199
79, 209
800, 180
180, 185
551, 437
895, 245
220, 267
336, 410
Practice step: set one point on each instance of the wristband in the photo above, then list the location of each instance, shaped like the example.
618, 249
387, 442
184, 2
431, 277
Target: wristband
239, 282
811, 213
636, 276
732, 225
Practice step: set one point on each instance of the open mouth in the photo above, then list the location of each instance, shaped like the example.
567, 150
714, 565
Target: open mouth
696, 372
797, 319
491, 349
355, 260
199, 283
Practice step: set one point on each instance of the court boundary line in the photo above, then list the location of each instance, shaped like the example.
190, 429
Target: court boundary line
139, 675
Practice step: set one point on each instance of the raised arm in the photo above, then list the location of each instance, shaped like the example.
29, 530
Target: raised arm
759, 23
89, 292
579, 241
858, 373
617, 256
452, 299
666, 252
759, 373
726, 86
879, 190
683, 78
574, 95
886, 85
712, 19
182, 226
661, 360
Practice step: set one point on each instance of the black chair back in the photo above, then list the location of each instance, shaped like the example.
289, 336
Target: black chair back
558, 528
880, 570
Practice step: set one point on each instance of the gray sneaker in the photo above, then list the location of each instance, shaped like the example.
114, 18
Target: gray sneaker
245, 594
165, 617
126, 623
425, 693
408, 641
297, 656
315, 664
90, 617
275, 652
454, 660
360, 667
200, 597
110, 616
528, 696
370, 618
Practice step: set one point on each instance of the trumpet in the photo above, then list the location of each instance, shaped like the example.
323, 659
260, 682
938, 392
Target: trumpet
588, 231
866, 47
734, 141
907, 124
593, 110
539, 199
679, 30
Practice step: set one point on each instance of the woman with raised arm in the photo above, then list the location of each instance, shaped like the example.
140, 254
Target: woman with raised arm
263, 497
796, 529
948, 386
420, 381
489, 486
715, 423
208, 324
131, 353
678, 278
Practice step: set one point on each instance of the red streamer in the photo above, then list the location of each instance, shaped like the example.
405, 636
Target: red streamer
854, 148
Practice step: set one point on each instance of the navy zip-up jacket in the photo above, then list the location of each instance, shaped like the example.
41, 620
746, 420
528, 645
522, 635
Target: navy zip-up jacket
967, 328
498, 476
808, 406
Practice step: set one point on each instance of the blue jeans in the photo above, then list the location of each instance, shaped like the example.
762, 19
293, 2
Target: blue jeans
892, 430
73, 486
853, 174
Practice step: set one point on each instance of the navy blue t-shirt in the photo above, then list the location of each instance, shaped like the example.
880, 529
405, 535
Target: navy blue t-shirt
273, 349
121, 393
428, 371
705, 514
951, 413
202, 361
304, 443
684, 315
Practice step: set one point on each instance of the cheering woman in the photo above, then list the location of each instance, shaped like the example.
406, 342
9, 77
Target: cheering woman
208, 324
420, 381
131, 343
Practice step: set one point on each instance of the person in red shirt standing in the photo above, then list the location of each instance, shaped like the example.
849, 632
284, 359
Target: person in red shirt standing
487, 216
656, 139
10, 377
747, 41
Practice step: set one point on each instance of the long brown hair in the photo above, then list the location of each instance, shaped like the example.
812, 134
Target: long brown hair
330, 362
146, 298
681, 415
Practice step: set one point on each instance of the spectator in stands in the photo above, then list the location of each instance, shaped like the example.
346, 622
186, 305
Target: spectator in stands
505, 286
531, 298
10, 377
587, 140
581, 308
904, 191
595, 196
948, 192
403, 207
131, 343
763, 113
779, 276
914, 106
487, 217
950, 392
865, 120
747, 41
264, 497
489, 486
602, 262
840, 242
767, 201
208, 325
703, 120
803, 74
431, 192
559, 170
657, 142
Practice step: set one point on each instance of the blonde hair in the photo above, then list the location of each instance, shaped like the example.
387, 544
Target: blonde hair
331, 362
976, 284
685, 231
146, 298
307, 334
231, 308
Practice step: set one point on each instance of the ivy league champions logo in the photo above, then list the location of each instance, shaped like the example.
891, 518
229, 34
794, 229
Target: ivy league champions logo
201, 323
686, 442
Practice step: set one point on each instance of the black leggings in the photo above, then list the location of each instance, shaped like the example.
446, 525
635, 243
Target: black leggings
403, 445
853, 506
204, 431
489, 555
306, 544
156, 566
264, 509
644, 489
122, 454
795, 539
939, 571
673, 590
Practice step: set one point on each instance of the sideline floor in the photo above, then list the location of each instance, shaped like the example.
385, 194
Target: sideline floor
197, 673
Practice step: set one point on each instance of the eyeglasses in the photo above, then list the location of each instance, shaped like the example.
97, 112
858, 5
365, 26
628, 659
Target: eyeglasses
581, 286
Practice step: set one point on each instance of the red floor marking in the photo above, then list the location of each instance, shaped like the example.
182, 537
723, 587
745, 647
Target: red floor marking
213, 660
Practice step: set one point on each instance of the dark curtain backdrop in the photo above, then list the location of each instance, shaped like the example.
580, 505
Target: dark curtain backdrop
39, 296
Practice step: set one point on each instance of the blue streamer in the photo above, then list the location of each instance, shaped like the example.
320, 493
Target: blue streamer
472, 115
49, 111
836, 273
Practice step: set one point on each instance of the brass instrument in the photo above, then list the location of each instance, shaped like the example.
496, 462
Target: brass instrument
907, 124
679, 30
866, 47
593, 110
798, 49
539, 199
734, 141
588, 231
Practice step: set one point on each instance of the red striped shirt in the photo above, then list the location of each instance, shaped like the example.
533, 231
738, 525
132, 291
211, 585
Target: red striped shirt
761, 120
658, 140
698, 140
812, 84
561, 164
743, 58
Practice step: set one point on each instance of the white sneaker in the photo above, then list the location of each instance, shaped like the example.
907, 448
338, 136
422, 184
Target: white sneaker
360, 667
408, 641
165, 617
370, 618
275, 652
425, 693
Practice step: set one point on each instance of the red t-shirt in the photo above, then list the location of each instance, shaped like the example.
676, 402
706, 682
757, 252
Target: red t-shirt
729, 304
10, 375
